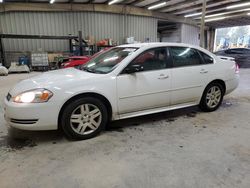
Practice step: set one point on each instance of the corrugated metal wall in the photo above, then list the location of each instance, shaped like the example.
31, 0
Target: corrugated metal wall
190, 34
172, 35
99, 25
142, 28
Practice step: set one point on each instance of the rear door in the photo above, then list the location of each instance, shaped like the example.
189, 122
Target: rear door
189, 75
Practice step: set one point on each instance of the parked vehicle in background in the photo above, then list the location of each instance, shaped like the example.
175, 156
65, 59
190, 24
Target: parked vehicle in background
241, 56
123, 82
76, 61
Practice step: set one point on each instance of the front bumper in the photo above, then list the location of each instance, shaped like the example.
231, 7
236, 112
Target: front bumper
32, 116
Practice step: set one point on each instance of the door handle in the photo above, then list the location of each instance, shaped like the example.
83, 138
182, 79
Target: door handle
203, 71
163, 76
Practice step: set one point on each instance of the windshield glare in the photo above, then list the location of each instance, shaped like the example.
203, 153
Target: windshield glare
108, 61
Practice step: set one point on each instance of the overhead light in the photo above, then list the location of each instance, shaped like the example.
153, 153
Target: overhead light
192, 15
1, 1
214, 15
225, 13
114, 1
157, 5
215, 19
248, 14
238, 5
52, 1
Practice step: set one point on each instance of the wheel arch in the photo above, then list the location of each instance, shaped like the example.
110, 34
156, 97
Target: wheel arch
221, 82
88, 94
202, 103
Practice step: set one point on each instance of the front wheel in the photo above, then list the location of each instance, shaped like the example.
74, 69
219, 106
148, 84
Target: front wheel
212, 97
84, 118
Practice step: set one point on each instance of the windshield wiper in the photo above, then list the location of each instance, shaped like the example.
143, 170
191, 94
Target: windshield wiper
92, 70
88, 70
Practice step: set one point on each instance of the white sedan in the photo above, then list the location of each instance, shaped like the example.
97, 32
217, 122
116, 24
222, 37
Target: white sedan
123, 82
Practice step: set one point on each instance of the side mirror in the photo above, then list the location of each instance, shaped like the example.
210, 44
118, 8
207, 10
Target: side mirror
210, 60
134, 68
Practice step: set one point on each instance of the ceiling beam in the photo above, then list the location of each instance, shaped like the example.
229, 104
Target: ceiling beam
66, 7
224, 12
128, 1
232, 22
210, 6
168, 3
228, 18
152, 4
180, 5
135, 2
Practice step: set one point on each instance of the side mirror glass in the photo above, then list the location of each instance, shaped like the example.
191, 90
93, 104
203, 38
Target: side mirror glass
134, 68
210, 60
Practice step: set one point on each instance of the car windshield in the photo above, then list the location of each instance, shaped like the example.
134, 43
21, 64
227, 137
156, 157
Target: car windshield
108, 60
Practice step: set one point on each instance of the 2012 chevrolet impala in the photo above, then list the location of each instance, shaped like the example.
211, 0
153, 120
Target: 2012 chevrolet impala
123, 82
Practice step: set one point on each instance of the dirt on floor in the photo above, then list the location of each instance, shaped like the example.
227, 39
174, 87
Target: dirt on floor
181, 148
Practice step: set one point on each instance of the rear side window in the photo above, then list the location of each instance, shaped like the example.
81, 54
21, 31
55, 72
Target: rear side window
206, 58
183, 56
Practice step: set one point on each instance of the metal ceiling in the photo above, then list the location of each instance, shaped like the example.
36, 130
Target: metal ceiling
215, 9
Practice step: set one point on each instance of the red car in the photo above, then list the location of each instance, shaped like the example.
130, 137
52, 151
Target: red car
75, 61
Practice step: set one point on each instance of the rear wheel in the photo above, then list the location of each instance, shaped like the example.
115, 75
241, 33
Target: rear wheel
84, 118
212, 97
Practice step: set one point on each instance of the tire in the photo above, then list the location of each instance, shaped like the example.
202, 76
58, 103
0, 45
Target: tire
212, 97
84, 118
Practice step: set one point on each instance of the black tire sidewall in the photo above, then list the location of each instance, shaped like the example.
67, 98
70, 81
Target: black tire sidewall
65, 120
203, 104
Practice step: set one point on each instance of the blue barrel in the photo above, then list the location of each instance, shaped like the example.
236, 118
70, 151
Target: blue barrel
23, 60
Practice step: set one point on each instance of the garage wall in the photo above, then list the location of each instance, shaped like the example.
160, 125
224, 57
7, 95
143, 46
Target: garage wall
142, 28
172, 35
99, 25
182, 33
190, 34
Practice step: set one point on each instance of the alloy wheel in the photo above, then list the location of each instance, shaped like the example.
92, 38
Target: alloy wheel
85, 119
213, 96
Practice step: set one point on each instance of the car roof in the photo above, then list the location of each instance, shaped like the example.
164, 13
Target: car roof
158, 44
162, 44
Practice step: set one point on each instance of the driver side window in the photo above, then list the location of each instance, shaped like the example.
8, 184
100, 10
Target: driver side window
153, 59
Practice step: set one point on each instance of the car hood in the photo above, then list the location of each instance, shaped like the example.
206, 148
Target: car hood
63, 78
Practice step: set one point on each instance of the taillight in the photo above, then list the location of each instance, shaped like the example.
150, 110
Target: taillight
237, 68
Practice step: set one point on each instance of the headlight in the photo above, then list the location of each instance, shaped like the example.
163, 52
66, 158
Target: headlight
34, 96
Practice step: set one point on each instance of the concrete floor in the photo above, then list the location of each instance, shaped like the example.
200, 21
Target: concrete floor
183, 148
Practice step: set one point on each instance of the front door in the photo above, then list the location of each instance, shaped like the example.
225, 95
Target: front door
149, 88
